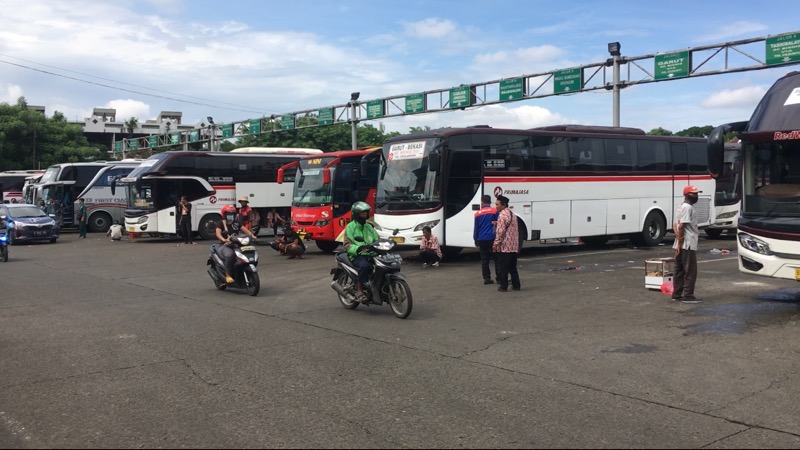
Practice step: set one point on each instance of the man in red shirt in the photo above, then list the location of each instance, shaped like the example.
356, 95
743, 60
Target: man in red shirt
245, 213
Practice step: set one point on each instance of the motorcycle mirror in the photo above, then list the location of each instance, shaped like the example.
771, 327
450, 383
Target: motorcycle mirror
3, 217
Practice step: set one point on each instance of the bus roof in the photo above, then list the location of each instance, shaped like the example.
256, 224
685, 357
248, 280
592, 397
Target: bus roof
779, 110
344, 153
281, 150
551, 130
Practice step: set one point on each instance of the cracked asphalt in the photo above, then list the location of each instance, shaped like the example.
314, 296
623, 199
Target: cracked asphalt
129, 345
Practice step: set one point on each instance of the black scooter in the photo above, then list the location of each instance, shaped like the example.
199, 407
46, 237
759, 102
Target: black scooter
386, 283
245, 274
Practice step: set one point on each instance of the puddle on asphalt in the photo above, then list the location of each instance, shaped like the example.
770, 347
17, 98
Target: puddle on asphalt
771, 308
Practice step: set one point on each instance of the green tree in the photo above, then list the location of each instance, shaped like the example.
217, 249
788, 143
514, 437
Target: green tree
659, 132
696, 131
28, 139
328, 138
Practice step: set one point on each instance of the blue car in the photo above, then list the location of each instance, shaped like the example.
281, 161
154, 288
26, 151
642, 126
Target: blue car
28, 223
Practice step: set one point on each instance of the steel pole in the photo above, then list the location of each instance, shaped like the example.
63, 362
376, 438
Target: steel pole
354, 125
616, 90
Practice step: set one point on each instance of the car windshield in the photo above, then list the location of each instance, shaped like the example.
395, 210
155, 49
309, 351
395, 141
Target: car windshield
26, 212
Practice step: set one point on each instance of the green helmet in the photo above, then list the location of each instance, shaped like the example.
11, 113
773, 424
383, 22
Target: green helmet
359, 207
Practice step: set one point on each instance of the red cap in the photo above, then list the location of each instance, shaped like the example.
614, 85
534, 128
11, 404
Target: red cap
691, 190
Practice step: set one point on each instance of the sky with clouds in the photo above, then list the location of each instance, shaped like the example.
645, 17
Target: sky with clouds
248, 59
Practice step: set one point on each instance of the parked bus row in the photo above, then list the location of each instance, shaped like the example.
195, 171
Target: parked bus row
12, 183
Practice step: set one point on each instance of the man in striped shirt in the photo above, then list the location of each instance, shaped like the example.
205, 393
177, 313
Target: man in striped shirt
506, 246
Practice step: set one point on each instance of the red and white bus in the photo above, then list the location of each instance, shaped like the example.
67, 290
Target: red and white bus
325, 188
209, 180
12, 183
768, 229
566, 181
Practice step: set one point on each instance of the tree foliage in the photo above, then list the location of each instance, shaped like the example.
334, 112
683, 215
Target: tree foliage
25, 133
328, 138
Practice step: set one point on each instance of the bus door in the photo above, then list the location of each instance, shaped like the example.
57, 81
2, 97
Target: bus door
368, 177
462, 194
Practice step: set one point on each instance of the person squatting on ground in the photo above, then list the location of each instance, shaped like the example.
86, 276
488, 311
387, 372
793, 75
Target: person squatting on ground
483, 235
506, 246
686, 240
115, 231
290, 244
430, 252
225, 228
358, 236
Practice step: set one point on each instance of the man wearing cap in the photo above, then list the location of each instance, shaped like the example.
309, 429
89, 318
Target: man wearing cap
686, 237
245, 213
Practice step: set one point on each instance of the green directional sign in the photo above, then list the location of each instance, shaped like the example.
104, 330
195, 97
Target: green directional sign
175, 138
783, 48
152, 141
133, 144
325, 116
671, 65
569, 80
512, 89
374, 109
194, 135
255, 126
227, 130
118, 147
287, 122
461, 97
415, 103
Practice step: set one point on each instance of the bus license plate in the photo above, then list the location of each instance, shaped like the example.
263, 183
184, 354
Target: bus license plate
131, 230
797, 273
398, 239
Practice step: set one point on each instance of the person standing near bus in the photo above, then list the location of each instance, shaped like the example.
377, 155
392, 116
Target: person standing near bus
483, 235
185, 220
686, 240
81, 219
245, 213
506, 246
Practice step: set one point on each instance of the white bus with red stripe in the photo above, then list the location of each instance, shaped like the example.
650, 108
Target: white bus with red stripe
12, 183
209, 180
562, 182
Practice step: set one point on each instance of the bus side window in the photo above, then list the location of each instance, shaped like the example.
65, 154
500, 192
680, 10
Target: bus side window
619, 154
586, 154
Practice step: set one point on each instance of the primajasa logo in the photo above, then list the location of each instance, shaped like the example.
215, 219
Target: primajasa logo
498, 191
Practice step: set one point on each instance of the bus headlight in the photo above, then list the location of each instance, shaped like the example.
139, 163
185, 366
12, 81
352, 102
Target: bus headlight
727, 215
431, 224
754, 244
142, 220
376, 226
321, 223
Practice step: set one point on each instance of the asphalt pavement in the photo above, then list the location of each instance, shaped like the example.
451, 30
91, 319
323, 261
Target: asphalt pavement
128, 344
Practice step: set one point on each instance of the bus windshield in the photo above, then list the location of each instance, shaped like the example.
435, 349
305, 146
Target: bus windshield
309, 190
141, 199
51, 174
405, 181
772, 181
729, 181
148, 164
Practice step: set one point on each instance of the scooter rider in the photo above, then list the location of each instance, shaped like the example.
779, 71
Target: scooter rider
227, 227
358, 235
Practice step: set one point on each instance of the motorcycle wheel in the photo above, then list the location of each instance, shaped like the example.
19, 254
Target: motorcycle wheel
4, 256
347, 283
400, 298
254, 285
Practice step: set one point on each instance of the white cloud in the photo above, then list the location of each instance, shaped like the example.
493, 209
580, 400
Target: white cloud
734, 29
10, 93
431, 28
748, 97
496, 116
128, 108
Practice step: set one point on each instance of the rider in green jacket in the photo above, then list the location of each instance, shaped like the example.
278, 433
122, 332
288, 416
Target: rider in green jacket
358, 236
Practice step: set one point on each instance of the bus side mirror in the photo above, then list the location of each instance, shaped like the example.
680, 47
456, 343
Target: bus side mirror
280, 175
113, 185
716, 146
434, 162
326, 175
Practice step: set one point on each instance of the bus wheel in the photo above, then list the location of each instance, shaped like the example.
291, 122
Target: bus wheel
653, 231
208, 226
99, 222
327, 246
713, 233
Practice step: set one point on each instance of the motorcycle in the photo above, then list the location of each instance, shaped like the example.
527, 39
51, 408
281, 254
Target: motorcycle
3, 245
386, 283
245, 274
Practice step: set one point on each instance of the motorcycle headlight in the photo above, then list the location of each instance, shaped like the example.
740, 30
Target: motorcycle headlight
754, 244
244, 240
431, 224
